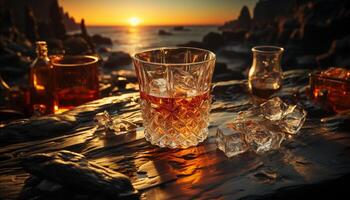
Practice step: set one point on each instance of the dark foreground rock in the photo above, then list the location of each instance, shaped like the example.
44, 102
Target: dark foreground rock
36, 128
337, 55
213, 40
118, 58
64, 170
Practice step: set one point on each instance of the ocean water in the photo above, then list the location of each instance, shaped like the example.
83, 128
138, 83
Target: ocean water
132, 39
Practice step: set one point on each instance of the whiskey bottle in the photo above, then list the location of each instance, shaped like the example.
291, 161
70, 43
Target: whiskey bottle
41, 82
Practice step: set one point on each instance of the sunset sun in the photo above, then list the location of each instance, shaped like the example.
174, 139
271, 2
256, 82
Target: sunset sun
134, 21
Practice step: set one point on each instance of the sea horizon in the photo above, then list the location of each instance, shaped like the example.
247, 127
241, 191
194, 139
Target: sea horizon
159, 25
134, 38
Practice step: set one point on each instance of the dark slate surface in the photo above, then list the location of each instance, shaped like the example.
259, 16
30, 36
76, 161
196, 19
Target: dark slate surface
318, 155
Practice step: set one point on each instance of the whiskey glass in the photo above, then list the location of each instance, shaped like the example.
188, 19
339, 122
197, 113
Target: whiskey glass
175, 85
76, 81
265, 75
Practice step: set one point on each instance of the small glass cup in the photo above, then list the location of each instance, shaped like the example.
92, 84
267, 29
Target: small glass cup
174, 90
76, 81
265, 75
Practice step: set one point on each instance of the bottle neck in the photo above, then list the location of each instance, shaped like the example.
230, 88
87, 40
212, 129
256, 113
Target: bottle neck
41, 50
42, 54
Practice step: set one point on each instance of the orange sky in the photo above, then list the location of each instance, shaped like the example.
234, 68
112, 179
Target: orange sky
155, 12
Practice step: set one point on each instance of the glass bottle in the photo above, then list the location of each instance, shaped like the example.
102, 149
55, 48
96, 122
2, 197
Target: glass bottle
265, 75
41, 82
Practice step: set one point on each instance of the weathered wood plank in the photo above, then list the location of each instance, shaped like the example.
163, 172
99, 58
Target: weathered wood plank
321, 152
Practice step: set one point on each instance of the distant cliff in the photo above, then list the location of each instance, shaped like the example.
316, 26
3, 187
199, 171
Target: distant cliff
41, 12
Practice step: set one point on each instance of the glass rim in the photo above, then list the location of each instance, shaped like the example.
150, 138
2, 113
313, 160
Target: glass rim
267, 49
133, 56
93, 61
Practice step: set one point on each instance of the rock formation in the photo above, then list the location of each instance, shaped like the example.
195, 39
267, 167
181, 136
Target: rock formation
56, 20
162, 32
69, 22
266, 10
244, 17
242, 22
86, 36
31, 27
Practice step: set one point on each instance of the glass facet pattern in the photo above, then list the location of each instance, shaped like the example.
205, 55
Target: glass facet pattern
175, 100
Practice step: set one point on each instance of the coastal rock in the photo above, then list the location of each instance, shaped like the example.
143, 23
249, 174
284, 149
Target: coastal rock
164, 32
69, 22
244, 18
57, 20
321, 21
118, 58
261, 36
286, 27
267, 10
337, 55
55, 46
14, 64
77, 46
234, 35
101, 40
213, 40
45, 30
104, 50
31, 28
307, 61
68, 170
180, 28
195, 44
243, 21
86, 36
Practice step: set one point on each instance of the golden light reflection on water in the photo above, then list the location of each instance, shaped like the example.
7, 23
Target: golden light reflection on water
134, 38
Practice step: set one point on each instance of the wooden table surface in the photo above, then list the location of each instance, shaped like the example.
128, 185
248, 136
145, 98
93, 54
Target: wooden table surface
319, 153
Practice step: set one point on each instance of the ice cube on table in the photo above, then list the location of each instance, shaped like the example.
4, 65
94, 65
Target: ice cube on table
273, 109
262, 137
104, 119
252, 113
118, 125
261, 128
230, 141
293, 119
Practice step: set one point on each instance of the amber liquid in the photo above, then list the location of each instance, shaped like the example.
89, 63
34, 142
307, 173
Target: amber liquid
265, 87
264, 93
76, 84
334, 93
41, 90
175, 122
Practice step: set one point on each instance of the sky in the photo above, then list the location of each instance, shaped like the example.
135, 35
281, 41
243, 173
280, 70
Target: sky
155, 12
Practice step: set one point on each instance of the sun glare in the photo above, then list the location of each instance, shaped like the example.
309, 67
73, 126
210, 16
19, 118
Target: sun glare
134, 21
